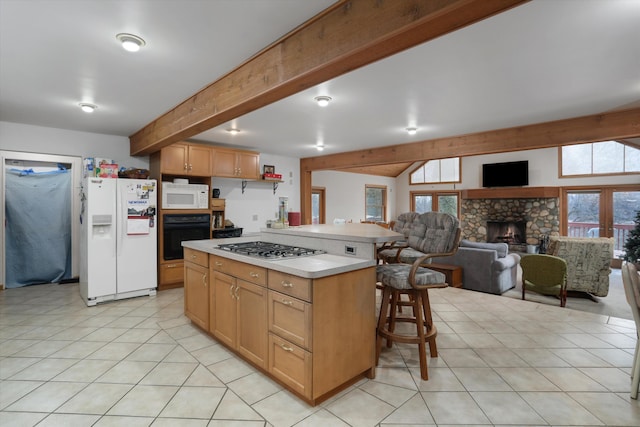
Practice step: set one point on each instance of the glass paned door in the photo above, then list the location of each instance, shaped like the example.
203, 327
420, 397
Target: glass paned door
583, 214
423, 203
625, 206
602, 212
318, 205
448, 203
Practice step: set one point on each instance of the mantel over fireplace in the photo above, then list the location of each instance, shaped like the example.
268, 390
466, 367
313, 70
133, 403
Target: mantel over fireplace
511, 193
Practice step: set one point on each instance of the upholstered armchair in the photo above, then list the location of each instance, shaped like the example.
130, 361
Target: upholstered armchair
588, 262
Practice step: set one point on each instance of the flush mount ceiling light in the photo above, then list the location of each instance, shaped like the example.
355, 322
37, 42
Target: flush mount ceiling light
412, 131
323, 101
233, 131
320, 146
87, 108
130, 42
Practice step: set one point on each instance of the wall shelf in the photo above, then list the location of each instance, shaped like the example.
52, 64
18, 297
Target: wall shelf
272, 181
511, 193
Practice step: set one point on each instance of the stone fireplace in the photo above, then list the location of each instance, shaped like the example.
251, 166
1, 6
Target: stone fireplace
517, 220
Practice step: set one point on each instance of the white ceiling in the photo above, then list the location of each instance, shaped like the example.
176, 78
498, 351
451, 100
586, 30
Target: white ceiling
545, 60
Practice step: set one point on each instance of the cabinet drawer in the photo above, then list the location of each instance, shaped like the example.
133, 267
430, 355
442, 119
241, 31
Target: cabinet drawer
290, 285
290, 318
171, 273
290, 364
196, 257
241, 270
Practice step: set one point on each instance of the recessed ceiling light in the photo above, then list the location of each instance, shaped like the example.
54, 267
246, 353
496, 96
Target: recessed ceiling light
130, 42
233, 131
412, 131
323, 101
87, 108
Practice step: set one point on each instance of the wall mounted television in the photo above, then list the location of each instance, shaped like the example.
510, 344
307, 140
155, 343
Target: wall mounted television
507, 174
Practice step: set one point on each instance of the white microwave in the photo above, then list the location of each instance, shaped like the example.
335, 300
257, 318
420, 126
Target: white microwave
185, 196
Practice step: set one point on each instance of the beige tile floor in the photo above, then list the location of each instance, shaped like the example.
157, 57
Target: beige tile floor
140, 362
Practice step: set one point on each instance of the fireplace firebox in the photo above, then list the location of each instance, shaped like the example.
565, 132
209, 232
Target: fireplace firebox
510, 232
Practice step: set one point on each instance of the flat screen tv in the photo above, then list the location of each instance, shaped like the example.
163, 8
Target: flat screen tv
507, 174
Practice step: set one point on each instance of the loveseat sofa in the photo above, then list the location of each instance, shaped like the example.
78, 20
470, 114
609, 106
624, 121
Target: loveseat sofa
588, 262
486, 267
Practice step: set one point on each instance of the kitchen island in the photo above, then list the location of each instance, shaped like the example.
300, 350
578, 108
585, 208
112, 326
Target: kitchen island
307, 322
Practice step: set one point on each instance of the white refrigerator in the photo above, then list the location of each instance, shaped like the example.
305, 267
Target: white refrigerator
118, 239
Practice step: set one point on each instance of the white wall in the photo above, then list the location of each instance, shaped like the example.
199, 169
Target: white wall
43, 140
345, 193
258, 204
543, 171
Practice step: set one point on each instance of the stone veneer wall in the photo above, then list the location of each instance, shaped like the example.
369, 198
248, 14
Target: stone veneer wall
541, 215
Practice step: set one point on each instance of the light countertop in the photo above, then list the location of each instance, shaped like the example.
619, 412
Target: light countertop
310, 267
351, 232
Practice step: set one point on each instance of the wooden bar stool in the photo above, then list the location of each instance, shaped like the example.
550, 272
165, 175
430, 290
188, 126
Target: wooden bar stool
434, 234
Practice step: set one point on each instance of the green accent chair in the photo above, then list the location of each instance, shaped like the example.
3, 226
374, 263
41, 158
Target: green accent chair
545, 274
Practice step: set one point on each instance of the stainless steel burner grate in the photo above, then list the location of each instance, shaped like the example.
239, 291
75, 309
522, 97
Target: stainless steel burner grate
269, 250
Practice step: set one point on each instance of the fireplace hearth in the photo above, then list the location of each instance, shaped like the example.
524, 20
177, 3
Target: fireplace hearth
510, 232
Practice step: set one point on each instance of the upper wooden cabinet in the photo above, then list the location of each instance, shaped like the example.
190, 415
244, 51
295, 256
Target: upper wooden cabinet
235, 163
186, 159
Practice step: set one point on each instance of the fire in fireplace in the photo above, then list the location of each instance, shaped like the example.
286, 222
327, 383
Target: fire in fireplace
511, 232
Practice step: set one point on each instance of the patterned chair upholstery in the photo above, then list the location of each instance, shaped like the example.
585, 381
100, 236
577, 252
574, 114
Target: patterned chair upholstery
432, 234
388, 252
588, 262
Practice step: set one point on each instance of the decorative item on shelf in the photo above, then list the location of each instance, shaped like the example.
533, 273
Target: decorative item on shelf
269, 173
133, 173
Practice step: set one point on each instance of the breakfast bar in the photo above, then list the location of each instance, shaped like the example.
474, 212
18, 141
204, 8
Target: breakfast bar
297, 303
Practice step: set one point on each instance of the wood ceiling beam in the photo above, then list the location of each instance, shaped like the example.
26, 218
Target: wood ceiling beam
346, 36
597, 127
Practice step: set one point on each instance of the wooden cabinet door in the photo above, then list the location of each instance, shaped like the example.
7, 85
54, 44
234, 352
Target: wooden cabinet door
248, 165
196, 294
224, 163
199, 160
252, 322
223, 308
174, 159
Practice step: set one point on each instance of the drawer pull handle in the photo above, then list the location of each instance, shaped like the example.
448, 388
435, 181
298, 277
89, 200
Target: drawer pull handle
254, 275
287, 302
194, 256
171, 265
286, 284
204, 280
235, 292
218, 264
286, 347
230, 291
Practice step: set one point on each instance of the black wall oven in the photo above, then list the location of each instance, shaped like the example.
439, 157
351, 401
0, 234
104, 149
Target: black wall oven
177, 228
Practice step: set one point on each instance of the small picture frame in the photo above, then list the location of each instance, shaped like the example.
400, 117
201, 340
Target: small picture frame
267, 169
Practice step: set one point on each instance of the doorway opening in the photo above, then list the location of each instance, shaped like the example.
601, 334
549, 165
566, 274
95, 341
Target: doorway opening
39, 238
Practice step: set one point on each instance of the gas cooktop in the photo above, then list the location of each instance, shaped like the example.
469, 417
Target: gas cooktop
269, 250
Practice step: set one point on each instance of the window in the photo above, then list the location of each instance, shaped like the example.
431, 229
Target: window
437, 171
375, 204
599, 158
447, 202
